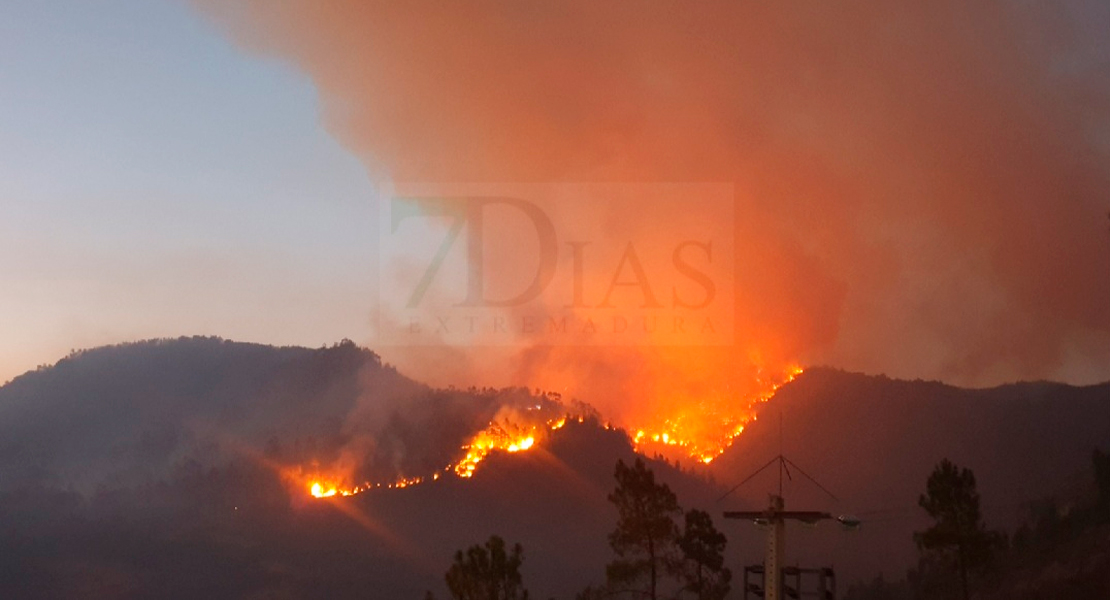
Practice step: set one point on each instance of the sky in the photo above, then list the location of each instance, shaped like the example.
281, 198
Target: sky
917, 191
156, 181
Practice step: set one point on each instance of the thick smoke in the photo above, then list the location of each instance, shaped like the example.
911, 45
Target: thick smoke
921, 189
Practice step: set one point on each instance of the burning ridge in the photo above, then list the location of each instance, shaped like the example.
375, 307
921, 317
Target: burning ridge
520, 422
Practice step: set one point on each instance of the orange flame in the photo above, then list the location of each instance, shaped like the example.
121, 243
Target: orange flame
700, 433
501, 437
496, 437
319, 490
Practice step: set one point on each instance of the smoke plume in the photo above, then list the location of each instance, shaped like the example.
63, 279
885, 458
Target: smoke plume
920, 189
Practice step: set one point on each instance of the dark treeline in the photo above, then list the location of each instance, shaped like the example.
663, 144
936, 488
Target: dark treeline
659, 551
1062, 550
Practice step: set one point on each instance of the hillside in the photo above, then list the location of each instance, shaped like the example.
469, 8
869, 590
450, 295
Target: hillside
873, 441
120, 415
154, 470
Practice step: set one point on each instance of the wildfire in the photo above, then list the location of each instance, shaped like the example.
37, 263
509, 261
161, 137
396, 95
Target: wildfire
703, 435
318, 490
496, 437
500, 437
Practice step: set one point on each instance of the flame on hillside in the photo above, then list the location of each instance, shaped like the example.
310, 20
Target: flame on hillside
700, 430
499, 436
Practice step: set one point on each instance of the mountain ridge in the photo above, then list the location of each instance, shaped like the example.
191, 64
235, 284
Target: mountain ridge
869, 439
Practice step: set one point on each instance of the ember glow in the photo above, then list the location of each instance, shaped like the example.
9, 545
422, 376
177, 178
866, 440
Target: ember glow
702, 430
493, 438
503, 436
319, 490
321, 487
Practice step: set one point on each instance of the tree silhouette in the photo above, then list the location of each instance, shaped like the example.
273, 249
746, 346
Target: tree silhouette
703, 549
958, 538
646, 535
487, 572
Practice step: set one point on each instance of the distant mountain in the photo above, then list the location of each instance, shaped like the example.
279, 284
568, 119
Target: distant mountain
873, 441
122, 414
153, 470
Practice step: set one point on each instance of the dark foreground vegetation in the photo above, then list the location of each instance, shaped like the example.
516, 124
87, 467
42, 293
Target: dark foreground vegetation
1061, 551
1058, 554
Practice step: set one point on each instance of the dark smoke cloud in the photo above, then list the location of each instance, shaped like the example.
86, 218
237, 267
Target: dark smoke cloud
921, 188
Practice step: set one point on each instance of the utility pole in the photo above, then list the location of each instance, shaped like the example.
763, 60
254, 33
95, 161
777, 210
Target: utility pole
774, 517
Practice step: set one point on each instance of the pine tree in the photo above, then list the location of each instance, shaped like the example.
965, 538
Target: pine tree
487, 572
703, 550
646, 536
958, 538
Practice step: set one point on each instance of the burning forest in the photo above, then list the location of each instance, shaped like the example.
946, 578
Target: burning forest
565, 244
521, 421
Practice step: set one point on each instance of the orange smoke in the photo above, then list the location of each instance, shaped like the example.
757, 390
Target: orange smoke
920, 189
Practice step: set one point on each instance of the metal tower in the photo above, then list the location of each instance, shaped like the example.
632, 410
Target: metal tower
775, 517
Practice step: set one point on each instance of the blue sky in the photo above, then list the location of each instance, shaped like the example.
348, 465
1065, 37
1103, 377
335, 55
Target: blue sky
157, 181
